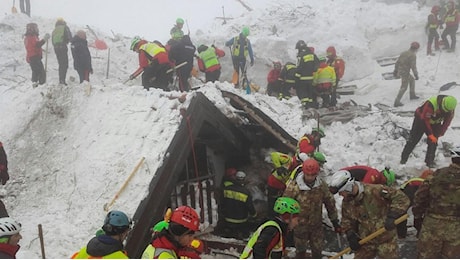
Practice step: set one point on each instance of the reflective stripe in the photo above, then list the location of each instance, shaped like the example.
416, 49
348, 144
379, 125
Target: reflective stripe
434, 102
247, 252
237, 48
411, 180
235, 195
236, 221
83, 254
209, 57
152, 49
151, 252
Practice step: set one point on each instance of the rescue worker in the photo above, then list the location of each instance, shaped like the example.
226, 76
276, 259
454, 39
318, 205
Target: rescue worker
182, 53
311, 192
437, 201
406, 62
409, 188
324, 80
228, 179
268, 241
176, 32
110, 244
432, 29
208, 61
153, 64
432, 118
34, 53
365, 209
9, 238
339, 67
451, 18
81, 56
308, 143
237, 208
307, 64
369, 175
273, 80
287, 77
276, 183
4, 177
169, 242
240, 47
61, 37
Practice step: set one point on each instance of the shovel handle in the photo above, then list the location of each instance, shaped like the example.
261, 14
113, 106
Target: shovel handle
369, 237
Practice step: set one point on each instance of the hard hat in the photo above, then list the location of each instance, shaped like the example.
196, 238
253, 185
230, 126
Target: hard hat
230, 173
286, 205
390, 176
9, 226
116, 222
245, 31
134, 42
435, 9
187, 217
60, 19
415, 45
277, 65
455, 152
322, 58
302, 157
180, 21
319, 157
300, 45
319, 130
240, 176
310, 167
330, 51
449, 103
341, 181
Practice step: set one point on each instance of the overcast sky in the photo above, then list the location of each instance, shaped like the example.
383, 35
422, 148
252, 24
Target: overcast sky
147, 18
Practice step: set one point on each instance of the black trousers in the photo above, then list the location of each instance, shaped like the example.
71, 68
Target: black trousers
63, 61
38, 70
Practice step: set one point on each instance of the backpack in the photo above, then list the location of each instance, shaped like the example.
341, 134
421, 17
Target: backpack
58, 34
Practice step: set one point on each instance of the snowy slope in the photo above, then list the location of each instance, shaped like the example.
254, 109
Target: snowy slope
70, 152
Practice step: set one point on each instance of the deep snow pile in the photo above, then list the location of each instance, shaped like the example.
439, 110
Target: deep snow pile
70, 152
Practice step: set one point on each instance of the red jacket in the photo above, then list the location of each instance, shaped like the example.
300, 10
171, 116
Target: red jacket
273, 75
366, 174
426, 113
219, 53
306, 144
8, 251
338, 64
33, 46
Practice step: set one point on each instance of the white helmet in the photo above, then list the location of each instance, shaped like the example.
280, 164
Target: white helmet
341, 181
9, 226
302, 157
240, 176
455, 152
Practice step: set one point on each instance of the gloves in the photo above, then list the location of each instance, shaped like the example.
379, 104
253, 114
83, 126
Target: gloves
433, 139
418, 224
252, 63
131, 77
416, 76
46, 37
390, 221
353, 240
282, 171
337, 227
4, 177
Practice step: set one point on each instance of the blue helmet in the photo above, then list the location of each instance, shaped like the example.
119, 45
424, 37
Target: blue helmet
116, 222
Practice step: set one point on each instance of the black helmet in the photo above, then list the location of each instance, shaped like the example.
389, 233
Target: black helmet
300, 45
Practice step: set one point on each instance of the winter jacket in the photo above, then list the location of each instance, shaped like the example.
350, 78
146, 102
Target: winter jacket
80, 53
102, 246
307, 64
324, 78
338, 64
8, 251
406, 61
306, 144
61, 30
311, 198
433, 21
183, 51
241, 48
267, 242
33, 46
150, 52
4, 177
451, 18
431, 114
163, 246
208, 60
273, 75
287, 74
366, 174
237, 205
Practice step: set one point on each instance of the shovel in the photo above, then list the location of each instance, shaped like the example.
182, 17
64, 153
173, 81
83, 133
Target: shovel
448, 86
13, 9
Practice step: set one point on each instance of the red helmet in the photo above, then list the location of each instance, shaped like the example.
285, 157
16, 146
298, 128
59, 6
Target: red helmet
415, 45
435, 9
310, 167
312, 49
187, 217
330, 51
230, 173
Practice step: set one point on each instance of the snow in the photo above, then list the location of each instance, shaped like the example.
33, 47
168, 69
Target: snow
70, 152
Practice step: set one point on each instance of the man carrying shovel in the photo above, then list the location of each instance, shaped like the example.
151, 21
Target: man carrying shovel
365, 208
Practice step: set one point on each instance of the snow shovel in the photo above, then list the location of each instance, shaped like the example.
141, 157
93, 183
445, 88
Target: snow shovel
369, 237
13, 9
448, 86
98, 44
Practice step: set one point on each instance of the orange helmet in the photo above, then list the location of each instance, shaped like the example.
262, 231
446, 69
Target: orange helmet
331, 51
310, 167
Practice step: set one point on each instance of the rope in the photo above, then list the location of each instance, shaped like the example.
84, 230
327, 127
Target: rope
195, 164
